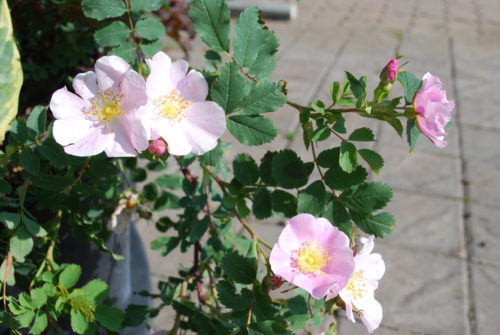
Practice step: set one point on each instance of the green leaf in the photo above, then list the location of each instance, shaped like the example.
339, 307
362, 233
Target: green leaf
10, 220
150, 28
18, 131
29, 161
245, 169
169, 181
150, 48
126, 50
312, 199
285, 203
40, 323
33, 227
70, 275
265, 168
135, 315
265, 97
8, 321
37, 120
362, 134
368, 198
251, 129
410, 83
334, 91
21, 244
373, 159
78, 322
96, 290
262, 204
229, 298
54, 153
26, 318
320, 134
357, 86
337, 214
166, 200
241, 269
379, 225
138, 175
38, 297
112, 34
197, 229
10, 71
230, 87
338, 179
288, 169
348, 158
329, 158
150, 192
146, 5
100, 10
109, 317
212, 60
255, 47
412, 133
214, 156
165, 244
211, 21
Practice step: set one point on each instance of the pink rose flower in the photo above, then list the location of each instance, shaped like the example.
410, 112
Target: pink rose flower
102, 116
390, 71
359, 294
433, 110
178, 110
157, 147
313, 254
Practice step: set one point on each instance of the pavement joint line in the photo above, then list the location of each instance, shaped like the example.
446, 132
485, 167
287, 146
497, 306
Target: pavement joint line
434, 252
477, 126
466, 214
399, 329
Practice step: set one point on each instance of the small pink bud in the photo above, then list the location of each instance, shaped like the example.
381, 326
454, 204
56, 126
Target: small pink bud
390, 71
157, 147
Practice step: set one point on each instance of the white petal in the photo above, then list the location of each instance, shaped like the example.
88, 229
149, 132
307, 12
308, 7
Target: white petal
66, 105
193, 87
85, 85
204, 123
121, 144
179, 70
174, 135
133, 88
90, 145
68, 131
159, 81
109, 71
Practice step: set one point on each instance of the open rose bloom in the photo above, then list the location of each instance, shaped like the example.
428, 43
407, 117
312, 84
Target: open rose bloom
433, 109
359, 294
177, 108
102, 115
313, 254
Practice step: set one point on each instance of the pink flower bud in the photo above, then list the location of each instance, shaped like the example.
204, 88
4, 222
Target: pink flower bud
390, 71
157, 147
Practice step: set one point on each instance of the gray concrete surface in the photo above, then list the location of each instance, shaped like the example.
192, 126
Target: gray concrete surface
443, 259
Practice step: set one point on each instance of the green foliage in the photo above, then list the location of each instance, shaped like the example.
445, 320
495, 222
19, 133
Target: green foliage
245, 169
251, 129
289, 171
412, 133
312, 199
150, 28
100, 10
238, 268
112, 34
410, 83
211, 21
230, 88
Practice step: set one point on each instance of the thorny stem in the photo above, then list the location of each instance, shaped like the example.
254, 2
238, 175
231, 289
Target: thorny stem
316, 161
336, 134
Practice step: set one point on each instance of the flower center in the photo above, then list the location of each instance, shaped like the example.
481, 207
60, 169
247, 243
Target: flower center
311, 258
106, 105
356, 285
171, 106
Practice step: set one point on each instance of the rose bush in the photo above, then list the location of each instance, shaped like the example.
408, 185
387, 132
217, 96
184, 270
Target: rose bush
95, 159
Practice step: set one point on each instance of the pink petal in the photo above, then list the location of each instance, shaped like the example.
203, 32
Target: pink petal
133, 88
159, 81
179, 70
85, 85
371, 315
90, 145
66, 105
121, 145
281, 263
316, 285
68, 131
109, 71
204, 124
173, 133
193, 87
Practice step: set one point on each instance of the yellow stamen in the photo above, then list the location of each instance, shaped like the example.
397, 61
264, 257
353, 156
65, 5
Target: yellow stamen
311, 258
357, 285
106, 105
171, 106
